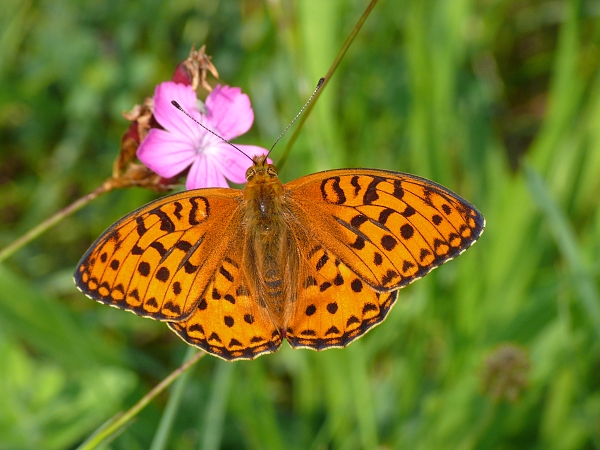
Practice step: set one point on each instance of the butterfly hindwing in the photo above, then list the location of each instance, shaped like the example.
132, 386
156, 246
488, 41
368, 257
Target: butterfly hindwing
158, 260
229, 321
334, 306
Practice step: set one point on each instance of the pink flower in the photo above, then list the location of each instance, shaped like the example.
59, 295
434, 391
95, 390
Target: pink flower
184, 144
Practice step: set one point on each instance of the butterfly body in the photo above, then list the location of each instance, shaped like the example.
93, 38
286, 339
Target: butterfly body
269, 259
317, 261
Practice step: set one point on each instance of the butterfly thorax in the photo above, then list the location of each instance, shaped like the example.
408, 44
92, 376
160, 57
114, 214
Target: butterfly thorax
267, 259
263, 194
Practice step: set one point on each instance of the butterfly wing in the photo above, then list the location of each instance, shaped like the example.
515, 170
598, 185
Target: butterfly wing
334, 306
389, 228
371, 233
229, 321
158, 260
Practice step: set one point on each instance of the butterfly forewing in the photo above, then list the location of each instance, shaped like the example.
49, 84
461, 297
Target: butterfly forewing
158, 260
389, 228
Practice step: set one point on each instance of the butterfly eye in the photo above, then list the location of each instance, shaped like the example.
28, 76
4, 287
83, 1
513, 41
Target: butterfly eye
271, 170
250, 173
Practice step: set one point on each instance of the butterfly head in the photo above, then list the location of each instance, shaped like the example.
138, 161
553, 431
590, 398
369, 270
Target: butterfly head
262, 181
261, 171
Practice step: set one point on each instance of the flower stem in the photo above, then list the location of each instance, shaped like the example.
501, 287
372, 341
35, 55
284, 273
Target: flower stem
51, 221
330, 72
114, 425
161, 436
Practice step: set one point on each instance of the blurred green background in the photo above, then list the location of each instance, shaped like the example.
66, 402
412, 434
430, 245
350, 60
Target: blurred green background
497, 100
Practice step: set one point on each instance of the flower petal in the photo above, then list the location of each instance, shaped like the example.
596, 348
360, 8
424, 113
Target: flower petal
170, 118
204, 173
229, 111
165, 154
233, 164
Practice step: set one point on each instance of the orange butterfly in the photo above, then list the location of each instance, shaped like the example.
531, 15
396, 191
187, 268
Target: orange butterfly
317, 261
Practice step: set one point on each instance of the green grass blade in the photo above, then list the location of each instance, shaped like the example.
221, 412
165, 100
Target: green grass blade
212, 434
567, 244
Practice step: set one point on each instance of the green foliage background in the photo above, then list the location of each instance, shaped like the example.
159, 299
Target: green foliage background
497, 99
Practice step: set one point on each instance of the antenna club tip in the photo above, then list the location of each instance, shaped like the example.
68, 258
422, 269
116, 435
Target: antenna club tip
320, 83
175, 104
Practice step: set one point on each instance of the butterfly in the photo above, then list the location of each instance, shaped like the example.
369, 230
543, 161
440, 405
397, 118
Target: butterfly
317, 261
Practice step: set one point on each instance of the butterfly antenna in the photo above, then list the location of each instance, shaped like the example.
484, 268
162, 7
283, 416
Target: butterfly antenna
319, 84
178, 106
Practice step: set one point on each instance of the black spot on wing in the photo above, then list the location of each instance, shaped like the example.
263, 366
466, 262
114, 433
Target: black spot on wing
359, 243
177, 212
177, 288
162, 274
332, 192
355, 184
322, 260
398, 191
356, 285
172, 307
369, 307
159, 248
141, 226
166, 224
226, 274
388, 242
371, 194
408, 211
384, 215
183, 245
189, 267
144, 269
377, 259
358, 220
326, 285
197, 203
407, 231
234, 343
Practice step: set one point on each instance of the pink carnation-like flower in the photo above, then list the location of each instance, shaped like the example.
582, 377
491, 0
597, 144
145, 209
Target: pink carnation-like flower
184, 144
